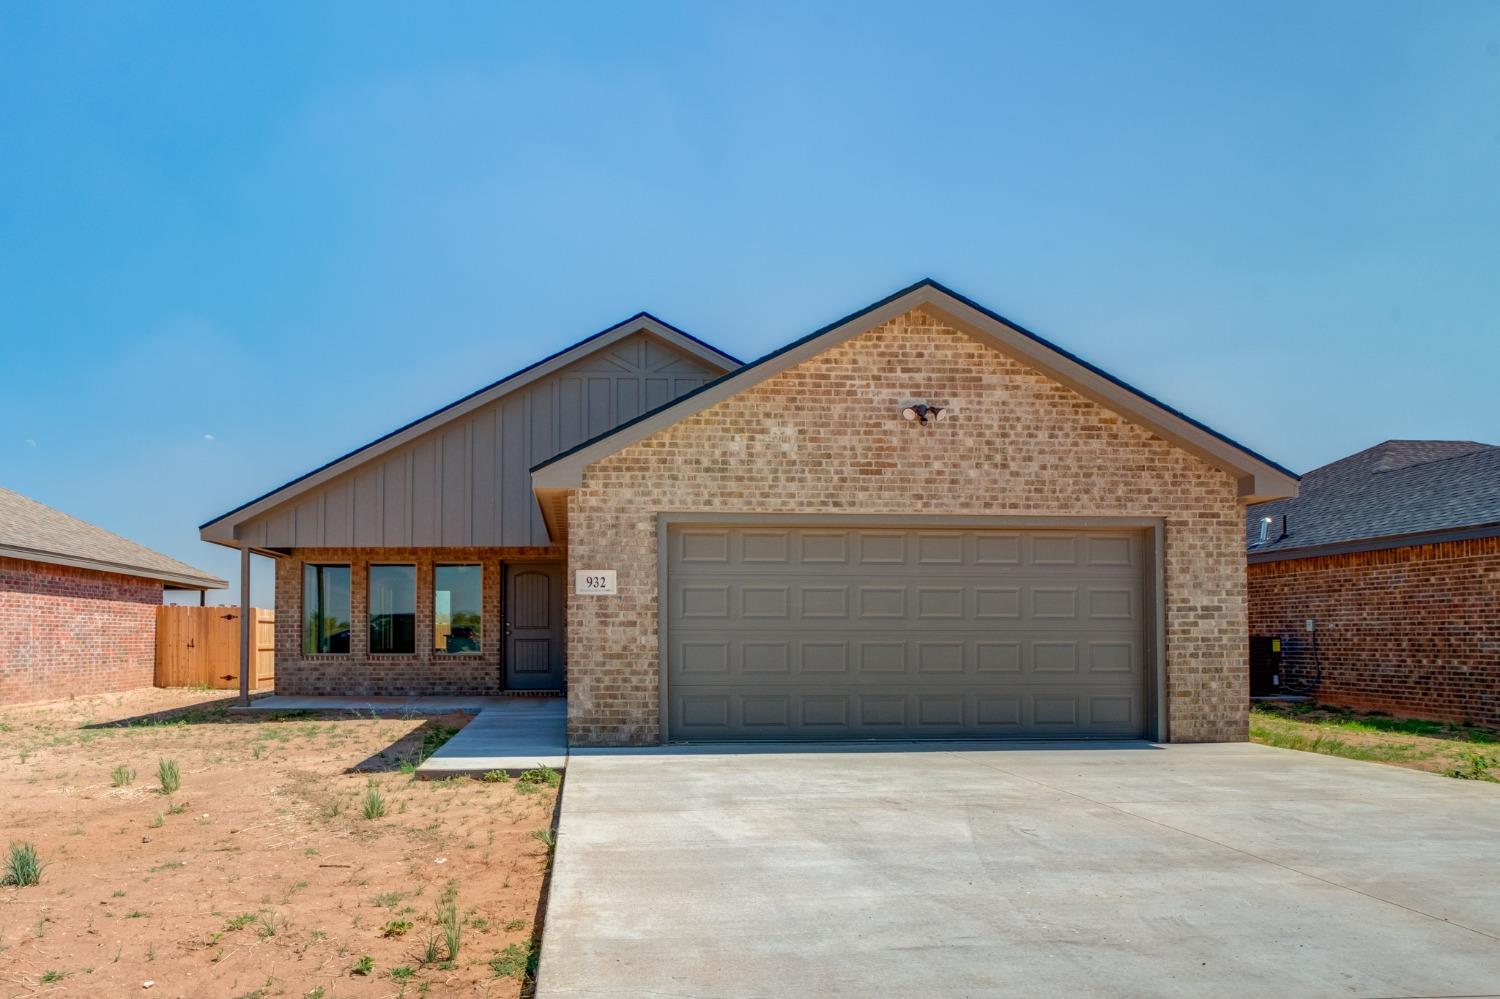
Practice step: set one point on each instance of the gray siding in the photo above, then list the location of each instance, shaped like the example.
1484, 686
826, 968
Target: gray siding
468, 483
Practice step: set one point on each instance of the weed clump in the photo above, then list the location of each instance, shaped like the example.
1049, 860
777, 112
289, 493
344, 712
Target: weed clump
1472, 765
374, 805
23, 867
169, 776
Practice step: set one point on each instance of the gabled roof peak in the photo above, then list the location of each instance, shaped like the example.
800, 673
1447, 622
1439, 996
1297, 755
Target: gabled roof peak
1258, 477
220, 528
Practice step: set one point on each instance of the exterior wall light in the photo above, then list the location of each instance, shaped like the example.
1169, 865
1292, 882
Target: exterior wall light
920, 412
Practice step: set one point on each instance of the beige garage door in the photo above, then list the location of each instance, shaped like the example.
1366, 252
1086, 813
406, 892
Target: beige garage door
792, 633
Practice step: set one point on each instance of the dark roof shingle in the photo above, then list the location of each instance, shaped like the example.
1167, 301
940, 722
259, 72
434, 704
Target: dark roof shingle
35, 531
1393, 489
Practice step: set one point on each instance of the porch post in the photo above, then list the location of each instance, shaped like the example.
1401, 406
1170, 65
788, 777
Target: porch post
244, 626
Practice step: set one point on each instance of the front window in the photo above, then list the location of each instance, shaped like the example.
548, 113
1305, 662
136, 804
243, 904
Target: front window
457, 598
325, 608
393, 609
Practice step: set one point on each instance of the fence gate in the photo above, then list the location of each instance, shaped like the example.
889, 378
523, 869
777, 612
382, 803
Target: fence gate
200, 647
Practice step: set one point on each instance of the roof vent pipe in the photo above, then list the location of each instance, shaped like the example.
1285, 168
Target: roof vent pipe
1284, 531
1265, 530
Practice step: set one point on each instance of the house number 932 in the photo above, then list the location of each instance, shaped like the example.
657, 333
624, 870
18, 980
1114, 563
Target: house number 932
594, 581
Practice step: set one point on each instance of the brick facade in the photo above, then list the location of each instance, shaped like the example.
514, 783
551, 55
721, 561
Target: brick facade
66, 631
826, 436
359, 673
1409, 631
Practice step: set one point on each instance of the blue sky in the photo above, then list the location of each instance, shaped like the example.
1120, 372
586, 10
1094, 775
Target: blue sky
237, 241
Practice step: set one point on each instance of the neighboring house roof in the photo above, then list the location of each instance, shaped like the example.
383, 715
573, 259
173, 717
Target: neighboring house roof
1259, 477
1394, 494
641, 322
37, 533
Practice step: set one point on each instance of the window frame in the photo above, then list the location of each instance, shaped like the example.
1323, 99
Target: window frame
416, 582
348, 567
437, 567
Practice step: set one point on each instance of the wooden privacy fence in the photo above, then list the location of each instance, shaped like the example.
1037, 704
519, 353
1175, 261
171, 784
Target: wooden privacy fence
200, 647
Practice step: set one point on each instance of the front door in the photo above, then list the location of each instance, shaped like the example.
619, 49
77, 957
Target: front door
535, 653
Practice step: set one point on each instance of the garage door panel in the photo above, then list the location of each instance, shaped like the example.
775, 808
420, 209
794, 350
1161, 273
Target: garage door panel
767, 601
882, 547
760, 656
769, 547
997, 549
882, 603
976, 602
999, 714
898, 658
701, 545
765, 548
824, 547
766, 711
808, 633
824, 602
887, 711
1125, 657
833, 713
824, 711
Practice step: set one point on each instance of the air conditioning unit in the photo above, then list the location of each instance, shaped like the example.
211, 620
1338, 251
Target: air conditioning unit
1265, 666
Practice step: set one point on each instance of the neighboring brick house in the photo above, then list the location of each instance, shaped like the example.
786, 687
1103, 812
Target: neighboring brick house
919, 522
1394, 554
77, 604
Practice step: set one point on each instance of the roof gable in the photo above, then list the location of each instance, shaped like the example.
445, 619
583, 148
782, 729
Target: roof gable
613, 349
38, 533
1259, 478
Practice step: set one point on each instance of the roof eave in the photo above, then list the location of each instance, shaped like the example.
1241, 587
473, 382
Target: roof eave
554, 507
176, 579
1386, 542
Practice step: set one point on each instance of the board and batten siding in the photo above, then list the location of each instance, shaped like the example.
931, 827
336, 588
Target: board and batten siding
468, 483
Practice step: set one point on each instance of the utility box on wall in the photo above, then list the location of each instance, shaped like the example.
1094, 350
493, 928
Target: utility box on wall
1265, 666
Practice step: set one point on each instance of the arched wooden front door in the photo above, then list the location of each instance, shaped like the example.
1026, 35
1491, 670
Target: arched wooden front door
535, 651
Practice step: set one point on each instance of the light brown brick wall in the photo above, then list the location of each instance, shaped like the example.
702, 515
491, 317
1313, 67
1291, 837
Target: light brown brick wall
1410, 631
827, 437
359, 673
66, 631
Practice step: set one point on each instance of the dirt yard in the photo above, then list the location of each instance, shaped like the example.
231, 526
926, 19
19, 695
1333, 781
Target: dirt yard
261, 874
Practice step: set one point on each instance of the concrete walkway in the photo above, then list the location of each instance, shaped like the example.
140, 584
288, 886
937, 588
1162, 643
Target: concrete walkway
1037, 871
519, 734
507, 733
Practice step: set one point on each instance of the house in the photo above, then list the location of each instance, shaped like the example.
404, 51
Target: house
1393, 555
78, 604
919, 521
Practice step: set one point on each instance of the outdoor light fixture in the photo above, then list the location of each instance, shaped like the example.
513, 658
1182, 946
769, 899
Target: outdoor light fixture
920, 412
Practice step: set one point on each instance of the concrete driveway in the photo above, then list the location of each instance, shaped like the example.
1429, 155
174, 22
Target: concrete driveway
1132, 870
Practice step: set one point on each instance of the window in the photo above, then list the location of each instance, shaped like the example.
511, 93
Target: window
457, 602
325, 608
393, 608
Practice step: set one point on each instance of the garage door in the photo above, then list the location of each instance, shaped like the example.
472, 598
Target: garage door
777, 633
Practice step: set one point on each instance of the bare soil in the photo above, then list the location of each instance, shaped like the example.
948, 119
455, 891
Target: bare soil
260, 875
